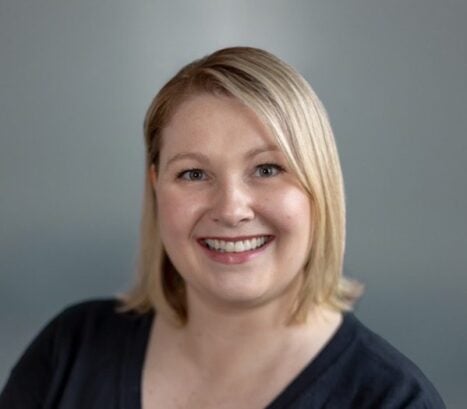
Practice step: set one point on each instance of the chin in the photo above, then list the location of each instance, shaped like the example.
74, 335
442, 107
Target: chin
245, 295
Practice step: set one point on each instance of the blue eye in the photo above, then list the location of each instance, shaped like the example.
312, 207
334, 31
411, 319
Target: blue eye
192, 175
268, 170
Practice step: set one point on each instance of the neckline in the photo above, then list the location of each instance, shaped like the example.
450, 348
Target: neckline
138, 339
133, 360
318, 365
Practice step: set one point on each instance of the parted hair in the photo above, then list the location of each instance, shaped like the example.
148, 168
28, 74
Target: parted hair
286, 103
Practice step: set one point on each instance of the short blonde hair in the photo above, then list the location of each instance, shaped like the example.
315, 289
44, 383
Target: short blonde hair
283, 99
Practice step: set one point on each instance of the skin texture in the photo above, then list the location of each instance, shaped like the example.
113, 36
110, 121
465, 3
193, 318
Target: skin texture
221, 175
231, 195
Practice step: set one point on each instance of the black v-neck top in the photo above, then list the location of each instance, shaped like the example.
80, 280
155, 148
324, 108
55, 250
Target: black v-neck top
91, 357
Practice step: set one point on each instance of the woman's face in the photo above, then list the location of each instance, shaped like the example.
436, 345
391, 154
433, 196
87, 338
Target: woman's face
232, 216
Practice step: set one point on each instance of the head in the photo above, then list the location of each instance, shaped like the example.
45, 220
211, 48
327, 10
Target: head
289, 108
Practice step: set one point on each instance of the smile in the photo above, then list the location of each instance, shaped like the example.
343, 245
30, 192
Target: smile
236, 246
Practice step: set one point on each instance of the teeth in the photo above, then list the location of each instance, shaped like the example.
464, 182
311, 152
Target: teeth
230, 246
239, 247
255, 242
235, 246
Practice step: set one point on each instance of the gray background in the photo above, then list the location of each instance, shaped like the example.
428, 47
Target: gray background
77, 76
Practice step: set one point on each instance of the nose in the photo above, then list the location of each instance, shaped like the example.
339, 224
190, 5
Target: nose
232, 204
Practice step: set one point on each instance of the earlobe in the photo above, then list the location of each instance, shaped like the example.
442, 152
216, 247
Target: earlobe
153, 176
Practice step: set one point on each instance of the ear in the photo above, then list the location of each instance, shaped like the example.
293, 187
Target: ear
153, 176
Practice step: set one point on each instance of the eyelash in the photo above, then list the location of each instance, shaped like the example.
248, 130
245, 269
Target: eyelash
279, 169
185, 174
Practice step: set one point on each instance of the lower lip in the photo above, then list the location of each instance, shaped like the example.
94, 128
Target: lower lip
234, 258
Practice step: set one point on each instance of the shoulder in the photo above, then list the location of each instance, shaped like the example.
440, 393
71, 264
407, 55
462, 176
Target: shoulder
91, 311
85, 345
93, 307
83, 330
94, 319
378, 354
89, 323
386, 373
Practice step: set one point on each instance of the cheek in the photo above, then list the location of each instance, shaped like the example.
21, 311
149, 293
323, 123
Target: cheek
290, 211
176, 213
297, 227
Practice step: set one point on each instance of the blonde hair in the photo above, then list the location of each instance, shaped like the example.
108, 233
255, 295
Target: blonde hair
286, 103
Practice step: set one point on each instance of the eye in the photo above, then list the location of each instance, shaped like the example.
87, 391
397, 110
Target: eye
192, 175
267, 170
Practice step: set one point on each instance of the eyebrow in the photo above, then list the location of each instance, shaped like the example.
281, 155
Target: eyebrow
256, 151
187, 155
203, 158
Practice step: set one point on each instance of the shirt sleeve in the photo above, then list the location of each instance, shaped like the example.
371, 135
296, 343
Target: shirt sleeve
30, 379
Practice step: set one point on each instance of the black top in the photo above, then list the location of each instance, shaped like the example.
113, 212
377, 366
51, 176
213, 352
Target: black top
91, 357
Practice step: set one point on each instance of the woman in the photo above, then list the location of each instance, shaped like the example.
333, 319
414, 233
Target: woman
240, 302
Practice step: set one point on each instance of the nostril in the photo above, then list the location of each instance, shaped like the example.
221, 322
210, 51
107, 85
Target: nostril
232, 209
232, 220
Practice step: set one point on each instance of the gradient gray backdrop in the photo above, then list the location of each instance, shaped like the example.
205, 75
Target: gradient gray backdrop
77, 76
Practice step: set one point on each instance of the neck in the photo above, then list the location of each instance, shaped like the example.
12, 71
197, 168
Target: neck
218, 339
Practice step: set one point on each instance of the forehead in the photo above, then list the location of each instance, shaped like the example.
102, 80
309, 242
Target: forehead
206, 121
